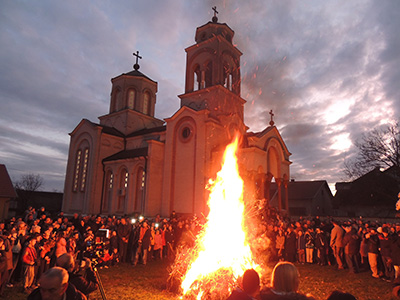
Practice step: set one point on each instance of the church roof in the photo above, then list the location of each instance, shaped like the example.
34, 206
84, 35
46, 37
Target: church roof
125, 154
6, 187
111, 130
135, 73
147, 131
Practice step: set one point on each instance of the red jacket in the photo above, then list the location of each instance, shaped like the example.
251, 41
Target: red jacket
29, 257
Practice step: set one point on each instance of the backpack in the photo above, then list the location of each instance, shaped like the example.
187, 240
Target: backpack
17, 247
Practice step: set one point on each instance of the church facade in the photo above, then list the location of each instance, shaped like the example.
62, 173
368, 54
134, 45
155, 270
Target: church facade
131, 162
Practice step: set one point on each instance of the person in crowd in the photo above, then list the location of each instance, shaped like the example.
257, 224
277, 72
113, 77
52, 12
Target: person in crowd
158, 244
54, 286
301, 247
395, 253
284, 284
290, 245
61, 244
144, 243
3, 266
320, 245
123, 232
280, 244
351, 245
115, 257
373, 251
385, 242
309, 239
250, 287
339, 295
29, 257
336, 243
86, 283
105, 259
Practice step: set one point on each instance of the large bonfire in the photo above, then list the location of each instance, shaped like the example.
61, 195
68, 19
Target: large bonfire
221, 253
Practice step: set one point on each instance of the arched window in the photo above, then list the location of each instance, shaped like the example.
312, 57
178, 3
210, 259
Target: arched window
197, 78
146, 103
84, 169
77, 169
140, 186
208, 75
228, 78
118, 100
123, 184
109, 182
131, 98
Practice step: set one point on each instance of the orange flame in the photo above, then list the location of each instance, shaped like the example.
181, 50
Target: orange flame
222, 243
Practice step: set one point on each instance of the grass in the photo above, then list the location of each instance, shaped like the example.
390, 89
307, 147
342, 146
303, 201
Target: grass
125, 282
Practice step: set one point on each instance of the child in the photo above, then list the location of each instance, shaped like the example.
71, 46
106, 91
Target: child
115, 257
105, 260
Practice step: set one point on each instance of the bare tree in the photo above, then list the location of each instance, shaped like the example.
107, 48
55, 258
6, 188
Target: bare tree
29, 183
379, 148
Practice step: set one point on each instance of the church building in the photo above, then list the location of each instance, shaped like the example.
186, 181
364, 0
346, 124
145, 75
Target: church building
131, 162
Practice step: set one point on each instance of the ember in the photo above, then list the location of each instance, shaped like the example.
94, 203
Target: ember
221, 253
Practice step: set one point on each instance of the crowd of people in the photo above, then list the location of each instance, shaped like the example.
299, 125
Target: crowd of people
356, 245
35, 243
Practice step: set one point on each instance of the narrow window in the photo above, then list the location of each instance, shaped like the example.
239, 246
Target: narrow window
197, 78
131, 99
84, 169
126, 179
146, 102
143, 179
77, 169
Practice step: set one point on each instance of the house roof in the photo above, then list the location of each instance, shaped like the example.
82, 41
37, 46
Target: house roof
6, 187
374, 188
126, 154
301, 190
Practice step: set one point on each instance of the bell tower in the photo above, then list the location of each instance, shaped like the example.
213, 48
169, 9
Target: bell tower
213, 71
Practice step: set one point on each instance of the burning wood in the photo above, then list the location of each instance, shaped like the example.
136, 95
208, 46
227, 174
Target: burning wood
221, 253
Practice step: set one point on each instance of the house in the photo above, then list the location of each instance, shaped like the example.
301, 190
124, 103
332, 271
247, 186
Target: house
306, 198
7, 192
371, 195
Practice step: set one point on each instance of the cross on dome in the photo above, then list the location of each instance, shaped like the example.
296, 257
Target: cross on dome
215, 19
136, 65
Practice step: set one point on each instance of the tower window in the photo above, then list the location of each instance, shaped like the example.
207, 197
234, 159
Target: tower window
131, 99
146, 102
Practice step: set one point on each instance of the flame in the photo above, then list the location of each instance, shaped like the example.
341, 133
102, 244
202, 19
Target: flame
222, 243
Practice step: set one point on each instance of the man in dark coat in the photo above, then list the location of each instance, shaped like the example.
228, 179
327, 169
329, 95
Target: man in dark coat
85, 284
123, 232
143, 243
336, 244
373, 251
290, 245
351, 242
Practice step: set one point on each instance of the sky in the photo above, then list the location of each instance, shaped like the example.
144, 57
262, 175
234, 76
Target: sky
329, 70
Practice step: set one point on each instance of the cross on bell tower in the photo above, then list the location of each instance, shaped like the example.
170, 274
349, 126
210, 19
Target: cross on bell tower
136, 65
